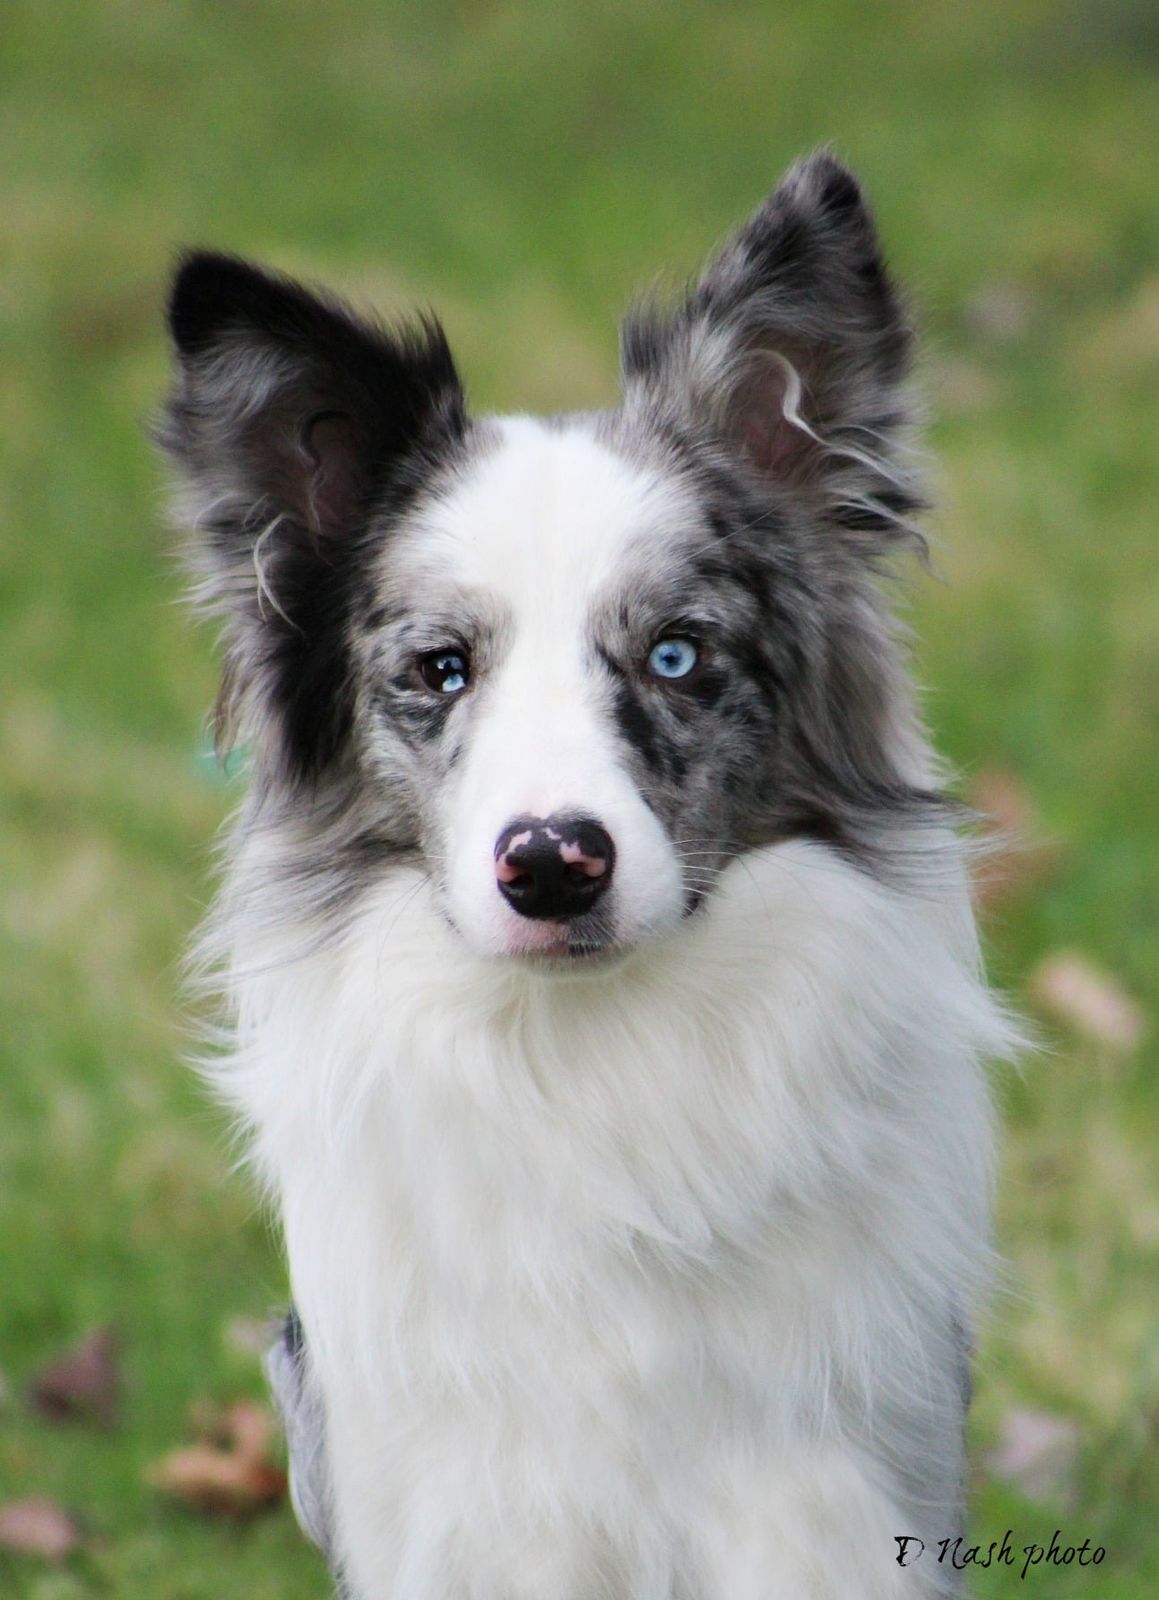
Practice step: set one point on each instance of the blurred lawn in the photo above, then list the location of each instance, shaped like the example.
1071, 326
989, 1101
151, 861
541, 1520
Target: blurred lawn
525, 169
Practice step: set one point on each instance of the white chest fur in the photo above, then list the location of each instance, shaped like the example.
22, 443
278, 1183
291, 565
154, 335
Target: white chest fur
646, 1284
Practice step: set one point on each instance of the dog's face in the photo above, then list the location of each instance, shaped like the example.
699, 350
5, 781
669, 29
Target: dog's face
570, 668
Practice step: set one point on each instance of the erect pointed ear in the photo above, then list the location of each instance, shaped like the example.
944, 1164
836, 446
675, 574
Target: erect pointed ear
793, 350
290, 421
289, 406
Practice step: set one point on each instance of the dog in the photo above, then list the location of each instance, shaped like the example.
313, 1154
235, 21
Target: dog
606, 1015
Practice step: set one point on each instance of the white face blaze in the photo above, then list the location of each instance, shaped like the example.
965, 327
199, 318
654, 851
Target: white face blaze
560, 519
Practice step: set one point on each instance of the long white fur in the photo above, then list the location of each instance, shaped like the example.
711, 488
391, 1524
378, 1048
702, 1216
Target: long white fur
625, 1282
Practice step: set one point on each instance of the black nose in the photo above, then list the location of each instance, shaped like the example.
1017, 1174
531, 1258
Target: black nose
553, 867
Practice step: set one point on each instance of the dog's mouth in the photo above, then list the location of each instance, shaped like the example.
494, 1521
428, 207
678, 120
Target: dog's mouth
587, 952
553, 946
566, 947
576, 958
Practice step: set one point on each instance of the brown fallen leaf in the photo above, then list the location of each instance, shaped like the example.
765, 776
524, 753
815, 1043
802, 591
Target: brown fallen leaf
85, 1381
38, 1527
1068, 987
246, 1425
1036, 1454
213, 1479
228, 1471
1015, 854
250, 1427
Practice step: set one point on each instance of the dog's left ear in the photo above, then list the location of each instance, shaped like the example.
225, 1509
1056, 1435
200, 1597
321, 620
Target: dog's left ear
793, 351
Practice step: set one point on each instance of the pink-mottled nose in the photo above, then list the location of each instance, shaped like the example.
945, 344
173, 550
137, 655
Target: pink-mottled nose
553, 868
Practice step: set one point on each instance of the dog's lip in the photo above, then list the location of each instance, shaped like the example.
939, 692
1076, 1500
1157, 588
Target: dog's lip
563, 953
578, 962
568, 955
557, 942
568, 951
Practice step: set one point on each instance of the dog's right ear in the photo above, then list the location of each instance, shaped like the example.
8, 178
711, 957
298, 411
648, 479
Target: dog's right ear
291, 421
289, 409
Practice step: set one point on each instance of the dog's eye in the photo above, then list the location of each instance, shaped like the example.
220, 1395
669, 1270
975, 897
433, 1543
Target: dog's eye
673, 658
445, 671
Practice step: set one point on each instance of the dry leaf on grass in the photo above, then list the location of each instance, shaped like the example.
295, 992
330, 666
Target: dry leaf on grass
248, 1428
1069, 988
221, 1481
1015, 856
38, 1527
83, 1382
1036, 1454
246, 1425
228, 1472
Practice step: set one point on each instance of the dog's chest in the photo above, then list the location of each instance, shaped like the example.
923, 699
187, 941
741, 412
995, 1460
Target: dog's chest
483, 1261
570, 1213
503, 1368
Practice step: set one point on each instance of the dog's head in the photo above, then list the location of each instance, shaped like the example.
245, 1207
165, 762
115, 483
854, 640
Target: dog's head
572, 668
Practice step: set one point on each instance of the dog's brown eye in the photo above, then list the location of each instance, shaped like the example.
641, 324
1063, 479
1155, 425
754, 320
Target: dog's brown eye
445, 671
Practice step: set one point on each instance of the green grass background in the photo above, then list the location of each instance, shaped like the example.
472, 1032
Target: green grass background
524, 169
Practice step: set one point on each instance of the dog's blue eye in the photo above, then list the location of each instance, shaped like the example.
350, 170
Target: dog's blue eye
673, 658
445, 671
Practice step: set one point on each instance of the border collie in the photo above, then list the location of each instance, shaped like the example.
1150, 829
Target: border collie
606, 1014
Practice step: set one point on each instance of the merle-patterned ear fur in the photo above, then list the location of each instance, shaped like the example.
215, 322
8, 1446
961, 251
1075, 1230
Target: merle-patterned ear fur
291, 421
793, 350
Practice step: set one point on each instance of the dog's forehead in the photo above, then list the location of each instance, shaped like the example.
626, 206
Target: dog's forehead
550, 506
